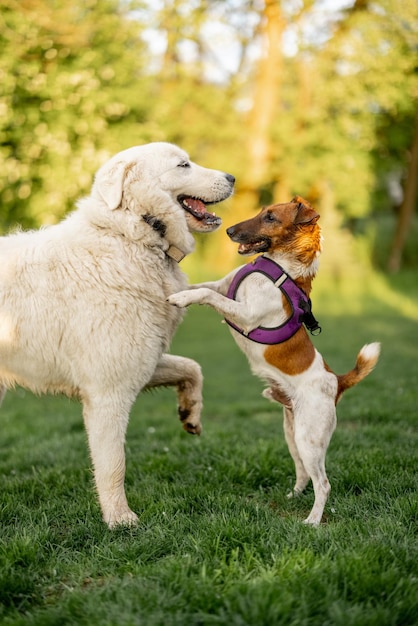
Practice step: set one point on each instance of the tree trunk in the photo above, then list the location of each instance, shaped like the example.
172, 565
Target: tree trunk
407, 208
266, 102
265, 107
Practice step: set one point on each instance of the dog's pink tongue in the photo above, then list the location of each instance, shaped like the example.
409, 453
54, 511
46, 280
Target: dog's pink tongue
194, 205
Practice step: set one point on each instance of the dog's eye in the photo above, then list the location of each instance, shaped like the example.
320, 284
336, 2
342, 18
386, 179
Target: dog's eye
269, 217
184, 164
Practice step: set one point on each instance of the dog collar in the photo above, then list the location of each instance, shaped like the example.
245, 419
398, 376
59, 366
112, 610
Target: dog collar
301, 309
158, 225
175, 253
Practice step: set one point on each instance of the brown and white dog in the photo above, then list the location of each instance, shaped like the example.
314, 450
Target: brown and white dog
266, 319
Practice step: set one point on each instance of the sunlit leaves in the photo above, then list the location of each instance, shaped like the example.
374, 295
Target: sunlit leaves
82, 80
66, 73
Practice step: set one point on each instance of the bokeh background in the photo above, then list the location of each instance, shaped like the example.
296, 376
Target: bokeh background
316, 98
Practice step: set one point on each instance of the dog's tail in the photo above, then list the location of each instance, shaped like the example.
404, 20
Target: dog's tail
366, 360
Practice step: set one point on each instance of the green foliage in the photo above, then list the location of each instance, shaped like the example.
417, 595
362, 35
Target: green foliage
381, 89
348, 109
218, 542
66, 89
82, 80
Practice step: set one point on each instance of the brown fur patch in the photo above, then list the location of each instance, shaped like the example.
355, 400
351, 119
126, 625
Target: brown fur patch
293, 356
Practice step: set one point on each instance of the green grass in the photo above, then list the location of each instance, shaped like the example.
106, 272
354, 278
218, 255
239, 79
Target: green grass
218, 542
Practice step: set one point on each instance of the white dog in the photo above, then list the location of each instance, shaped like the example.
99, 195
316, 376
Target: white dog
83, 304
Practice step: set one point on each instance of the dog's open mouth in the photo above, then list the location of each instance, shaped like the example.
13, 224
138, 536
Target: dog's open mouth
253, 247
200, 219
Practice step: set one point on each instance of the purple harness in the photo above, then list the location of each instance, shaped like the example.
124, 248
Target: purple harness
299, 302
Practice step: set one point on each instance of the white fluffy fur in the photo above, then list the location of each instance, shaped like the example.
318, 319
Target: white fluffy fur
83, 306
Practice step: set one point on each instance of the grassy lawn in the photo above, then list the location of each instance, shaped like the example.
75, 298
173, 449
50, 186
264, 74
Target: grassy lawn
218, 542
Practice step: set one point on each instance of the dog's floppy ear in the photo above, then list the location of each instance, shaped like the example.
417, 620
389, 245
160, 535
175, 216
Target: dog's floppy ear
109, 182
306, 214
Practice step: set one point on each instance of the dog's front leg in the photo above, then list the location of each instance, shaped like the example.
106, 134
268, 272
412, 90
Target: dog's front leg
240, 313
186, 375
106, 420
219, 286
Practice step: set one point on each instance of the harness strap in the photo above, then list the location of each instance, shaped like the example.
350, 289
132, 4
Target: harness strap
300, 304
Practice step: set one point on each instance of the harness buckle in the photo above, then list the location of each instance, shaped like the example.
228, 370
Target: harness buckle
308, 318
280, 280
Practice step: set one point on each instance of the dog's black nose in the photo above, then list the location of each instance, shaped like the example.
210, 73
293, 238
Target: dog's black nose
230, 178
230, 231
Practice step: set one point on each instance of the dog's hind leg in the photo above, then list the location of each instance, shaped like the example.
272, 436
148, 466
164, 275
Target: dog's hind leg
302, 477
313, 430
106, 419
276, 394
186, 375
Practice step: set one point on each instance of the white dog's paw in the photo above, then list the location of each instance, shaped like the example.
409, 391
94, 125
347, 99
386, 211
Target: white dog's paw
312, 521
295, 493
127, 518
192, 426
180, 299
190, 408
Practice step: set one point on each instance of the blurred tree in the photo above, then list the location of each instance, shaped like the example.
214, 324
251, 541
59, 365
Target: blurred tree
194, 96
321, 107
314, 98
266, 104
375, 50
66, 99
407, 207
